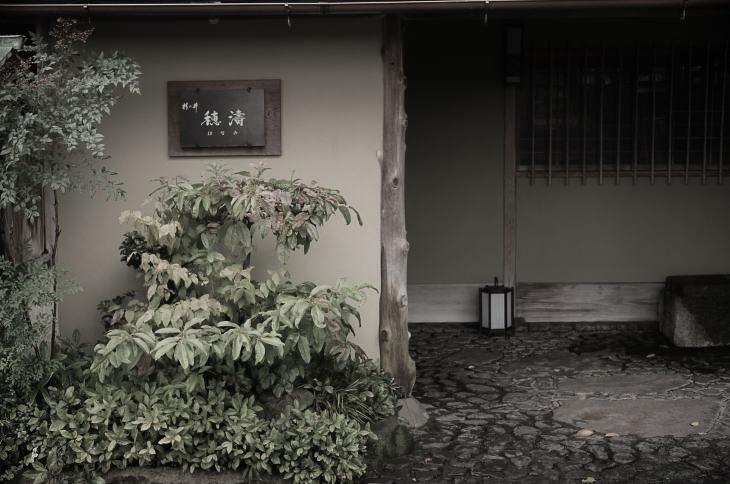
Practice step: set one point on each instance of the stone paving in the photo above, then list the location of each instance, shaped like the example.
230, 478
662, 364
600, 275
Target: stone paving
520, 409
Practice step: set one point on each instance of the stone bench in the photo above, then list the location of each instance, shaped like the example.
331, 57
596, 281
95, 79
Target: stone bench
695, 311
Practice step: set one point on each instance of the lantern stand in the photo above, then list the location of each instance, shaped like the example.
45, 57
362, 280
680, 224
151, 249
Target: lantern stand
497, 309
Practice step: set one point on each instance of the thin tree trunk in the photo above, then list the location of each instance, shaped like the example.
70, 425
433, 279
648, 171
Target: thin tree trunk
394, 356
22, 240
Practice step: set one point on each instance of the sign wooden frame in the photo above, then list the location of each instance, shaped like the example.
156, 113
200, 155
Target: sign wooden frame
272, 118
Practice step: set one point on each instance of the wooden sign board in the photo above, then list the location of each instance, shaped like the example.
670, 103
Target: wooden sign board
224, 118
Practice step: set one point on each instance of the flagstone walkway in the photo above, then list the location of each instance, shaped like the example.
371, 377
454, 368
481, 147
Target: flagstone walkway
566, 407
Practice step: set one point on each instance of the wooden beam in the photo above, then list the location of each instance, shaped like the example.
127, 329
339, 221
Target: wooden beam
443, 303
393, 330
509, 264
584, 302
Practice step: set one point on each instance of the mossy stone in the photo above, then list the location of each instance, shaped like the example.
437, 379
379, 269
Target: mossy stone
394, 440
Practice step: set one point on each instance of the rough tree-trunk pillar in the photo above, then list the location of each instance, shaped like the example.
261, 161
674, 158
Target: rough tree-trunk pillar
21, 240
394, 356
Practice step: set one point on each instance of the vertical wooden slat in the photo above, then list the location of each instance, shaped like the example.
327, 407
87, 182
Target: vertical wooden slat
619, 78
533, 72
585, 113
636, 119
707, 106
711, 128
393, 329
510, 200
689, 116
722, 115
600, 115
550, 116
670, 120
566, 121
653, 115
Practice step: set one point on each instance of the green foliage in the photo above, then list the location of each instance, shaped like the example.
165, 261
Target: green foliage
18, 425
52, 100
203, 308
317, 447
157, 423
28, 293
113, 310
360, 390
22, 420
134, 245
183, 371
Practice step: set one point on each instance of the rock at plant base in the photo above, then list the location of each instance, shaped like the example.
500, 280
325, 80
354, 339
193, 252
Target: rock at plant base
412, 412
394, 440
275, 406
696, 311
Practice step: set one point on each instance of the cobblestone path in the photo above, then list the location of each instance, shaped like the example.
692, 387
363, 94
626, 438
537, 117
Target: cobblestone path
493, 404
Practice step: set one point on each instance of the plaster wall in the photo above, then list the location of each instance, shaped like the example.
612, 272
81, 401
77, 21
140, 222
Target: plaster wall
625, 233
454, 157
331, 75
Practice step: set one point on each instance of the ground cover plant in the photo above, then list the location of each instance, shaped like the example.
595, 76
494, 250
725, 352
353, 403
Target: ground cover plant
211, 368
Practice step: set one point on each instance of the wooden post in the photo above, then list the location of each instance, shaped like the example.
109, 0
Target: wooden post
393, 331
510, 174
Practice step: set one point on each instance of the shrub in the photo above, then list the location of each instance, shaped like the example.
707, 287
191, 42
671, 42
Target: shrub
26, 291
182, 374
357, 389
53, 98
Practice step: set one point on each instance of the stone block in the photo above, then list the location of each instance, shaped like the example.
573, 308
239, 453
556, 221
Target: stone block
695, 311
412, 412
394, 440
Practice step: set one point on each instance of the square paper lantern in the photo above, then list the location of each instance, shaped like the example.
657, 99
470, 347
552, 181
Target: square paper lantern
497, 307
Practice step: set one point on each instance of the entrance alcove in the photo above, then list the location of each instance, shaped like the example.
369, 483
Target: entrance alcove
616, 176
454, 164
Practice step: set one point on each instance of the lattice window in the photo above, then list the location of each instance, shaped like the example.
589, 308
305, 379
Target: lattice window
615, 111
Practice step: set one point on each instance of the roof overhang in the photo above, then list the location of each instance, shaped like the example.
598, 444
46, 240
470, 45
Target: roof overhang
349, 7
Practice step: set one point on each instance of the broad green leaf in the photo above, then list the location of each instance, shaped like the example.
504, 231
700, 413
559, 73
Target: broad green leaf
303, 345
260, 352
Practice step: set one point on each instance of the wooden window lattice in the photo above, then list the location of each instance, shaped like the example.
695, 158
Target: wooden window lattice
624, 111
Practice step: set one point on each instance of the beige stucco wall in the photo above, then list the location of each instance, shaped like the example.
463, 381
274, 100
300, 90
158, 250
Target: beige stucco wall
331, 73
625, 233
454, 157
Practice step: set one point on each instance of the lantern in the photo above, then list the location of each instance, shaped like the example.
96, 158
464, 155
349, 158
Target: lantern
497, 308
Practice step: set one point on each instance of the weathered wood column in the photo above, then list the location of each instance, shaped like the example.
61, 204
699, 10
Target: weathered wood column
394, 357
22, 240
510, 187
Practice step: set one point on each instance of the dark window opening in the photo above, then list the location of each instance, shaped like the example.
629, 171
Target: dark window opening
625, 110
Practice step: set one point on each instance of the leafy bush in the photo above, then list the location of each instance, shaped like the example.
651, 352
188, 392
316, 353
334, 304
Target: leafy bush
359, 390
28, 292
324, 446
182, 375
204, 309
52, 101
21, 421
160, 423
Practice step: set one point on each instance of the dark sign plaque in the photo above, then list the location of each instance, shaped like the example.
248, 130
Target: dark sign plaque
220, 118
